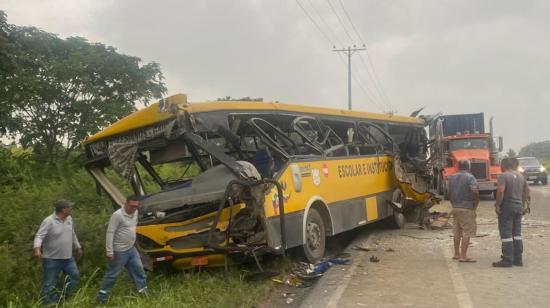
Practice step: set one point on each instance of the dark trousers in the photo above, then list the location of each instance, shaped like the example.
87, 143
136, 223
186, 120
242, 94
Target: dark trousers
509, 226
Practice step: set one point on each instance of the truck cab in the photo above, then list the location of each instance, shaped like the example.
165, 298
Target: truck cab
463, 136
477, 149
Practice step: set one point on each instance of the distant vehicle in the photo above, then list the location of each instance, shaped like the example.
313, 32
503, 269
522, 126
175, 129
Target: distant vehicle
533, 170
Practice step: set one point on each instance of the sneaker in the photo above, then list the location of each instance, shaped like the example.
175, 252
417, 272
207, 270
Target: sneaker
502, 263
101, 298
144, 292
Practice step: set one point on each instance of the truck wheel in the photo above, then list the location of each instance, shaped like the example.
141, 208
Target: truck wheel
314, 247
545, 181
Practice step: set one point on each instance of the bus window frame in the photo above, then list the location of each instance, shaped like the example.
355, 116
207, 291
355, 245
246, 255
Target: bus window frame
378, 144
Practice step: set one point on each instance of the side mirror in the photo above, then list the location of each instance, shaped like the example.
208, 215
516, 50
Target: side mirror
500, 143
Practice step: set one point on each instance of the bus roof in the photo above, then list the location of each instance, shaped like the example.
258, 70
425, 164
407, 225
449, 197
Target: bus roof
151, 114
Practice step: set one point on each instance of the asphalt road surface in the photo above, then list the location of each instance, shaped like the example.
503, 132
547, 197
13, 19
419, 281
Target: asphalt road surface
415, 268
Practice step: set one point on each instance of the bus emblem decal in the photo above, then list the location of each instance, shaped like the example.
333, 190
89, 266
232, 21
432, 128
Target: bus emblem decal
325, 170
316, 177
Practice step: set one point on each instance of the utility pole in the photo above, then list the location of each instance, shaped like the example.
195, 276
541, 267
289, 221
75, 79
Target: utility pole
349, 51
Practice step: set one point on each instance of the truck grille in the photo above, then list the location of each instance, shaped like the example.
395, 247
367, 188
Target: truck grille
479, 170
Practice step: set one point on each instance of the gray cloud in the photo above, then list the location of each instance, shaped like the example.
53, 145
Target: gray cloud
450, 56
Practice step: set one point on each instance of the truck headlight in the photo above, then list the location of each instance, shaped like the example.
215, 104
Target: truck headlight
542, 169
520, 169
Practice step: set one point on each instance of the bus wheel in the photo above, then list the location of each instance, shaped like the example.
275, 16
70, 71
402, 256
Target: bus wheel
314, 247
397, 220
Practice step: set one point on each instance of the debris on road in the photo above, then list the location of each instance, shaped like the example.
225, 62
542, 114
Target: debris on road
367, 248
259, 276
417, 237
303, 274
440, 220
374, 259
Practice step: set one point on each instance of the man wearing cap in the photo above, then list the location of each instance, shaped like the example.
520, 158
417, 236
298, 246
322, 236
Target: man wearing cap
54, 243
120, 250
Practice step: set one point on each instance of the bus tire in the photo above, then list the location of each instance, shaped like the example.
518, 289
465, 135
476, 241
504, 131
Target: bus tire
398, 219
315, 240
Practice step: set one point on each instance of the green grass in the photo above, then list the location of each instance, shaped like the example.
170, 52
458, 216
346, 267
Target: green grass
197, 288
25, 206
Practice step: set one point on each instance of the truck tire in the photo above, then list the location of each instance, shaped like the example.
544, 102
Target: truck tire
314, 246
544, 181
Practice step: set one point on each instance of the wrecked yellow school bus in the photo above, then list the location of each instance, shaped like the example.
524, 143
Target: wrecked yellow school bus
223, 181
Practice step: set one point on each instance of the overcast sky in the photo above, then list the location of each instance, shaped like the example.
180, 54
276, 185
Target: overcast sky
448, 56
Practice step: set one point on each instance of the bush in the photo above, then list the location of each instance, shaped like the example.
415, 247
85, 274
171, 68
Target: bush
27, 203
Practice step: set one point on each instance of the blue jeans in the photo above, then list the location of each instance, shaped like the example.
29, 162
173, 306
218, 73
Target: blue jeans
52, 269
129, 259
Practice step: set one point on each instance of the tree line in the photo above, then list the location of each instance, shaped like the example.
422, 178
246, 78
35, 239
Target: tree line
56, 91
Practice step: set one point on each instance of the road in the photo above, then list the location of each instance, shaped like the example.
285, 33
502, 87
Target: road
416, 269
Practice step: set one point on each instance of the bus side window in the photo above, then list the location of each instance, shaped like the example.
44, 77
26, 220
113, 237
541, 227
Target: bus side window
375, 139
340, 136
319, 136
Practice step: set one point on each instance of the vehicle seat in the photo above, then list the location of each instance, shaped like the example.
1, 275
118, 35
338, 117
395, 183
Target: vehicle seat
263, 162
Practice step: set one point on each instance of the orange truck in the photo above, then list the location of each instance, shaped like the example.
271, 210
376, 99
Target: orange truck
463, 136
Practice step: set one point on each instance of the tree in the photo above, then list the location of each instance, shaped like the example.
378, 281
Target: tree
63, 90
538, 149
511, 153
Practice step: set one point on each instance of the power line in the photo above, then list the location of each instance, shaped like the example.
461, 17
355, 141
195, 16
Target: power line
340, 21
360, 84
357, 81
376, 80
349, 19
376, 88
315, 23
325, 23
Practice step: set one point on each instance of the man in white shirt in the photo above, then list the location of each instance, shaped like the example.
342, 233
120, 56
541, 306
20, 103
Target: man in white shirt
53, 243
120, 250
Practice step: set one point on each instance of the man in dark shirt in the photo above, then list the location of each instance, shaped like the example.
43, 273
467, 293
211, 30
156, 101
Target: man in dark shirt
512, 192
464, 195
